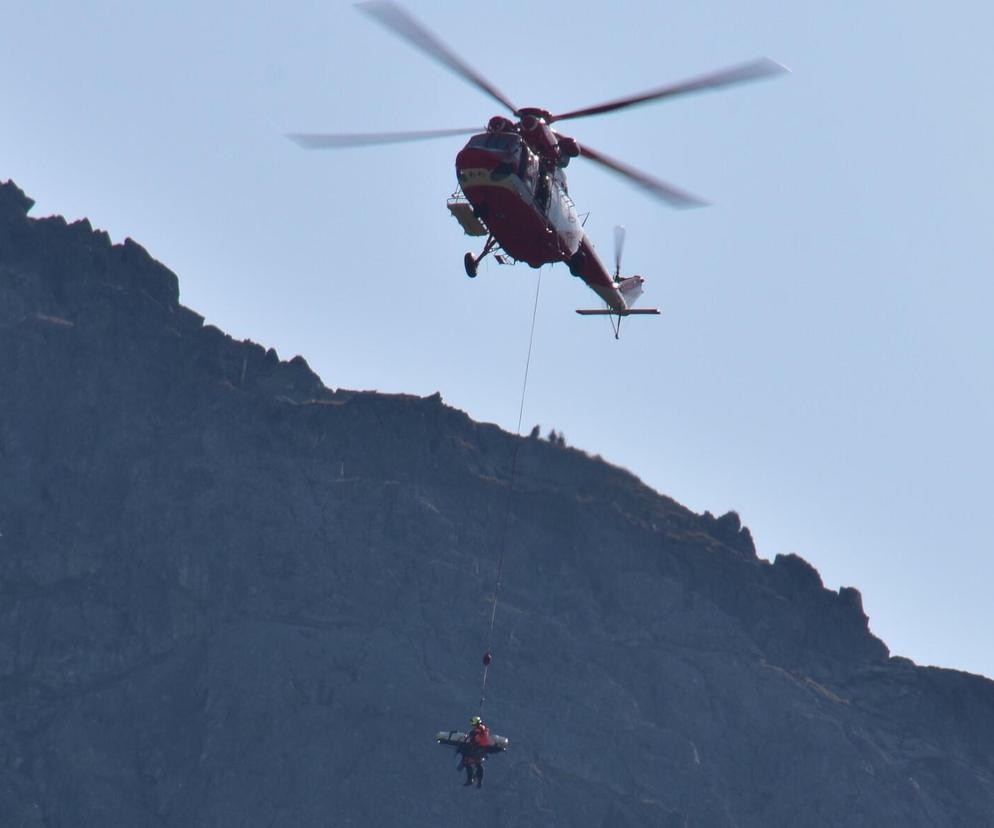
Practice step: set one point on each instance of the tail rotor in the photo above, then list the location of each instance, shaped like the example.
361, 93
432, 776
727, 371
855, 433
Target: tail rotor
619, 246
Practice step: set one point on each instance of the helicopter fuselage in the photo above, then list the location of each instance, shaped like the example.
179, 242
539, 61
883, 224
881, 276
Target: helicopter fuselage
523, 200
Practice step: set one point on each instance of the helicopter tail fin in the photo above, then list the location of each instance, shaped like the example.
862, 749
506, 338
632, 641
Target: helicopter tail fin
631, 288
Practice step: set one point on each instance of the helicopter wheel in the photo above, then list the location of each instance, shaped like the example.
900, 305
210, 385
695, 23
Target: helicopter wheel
469, 261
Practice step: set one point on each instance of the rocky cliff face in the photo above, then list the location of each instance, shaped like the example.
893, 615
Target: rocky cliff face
230, 596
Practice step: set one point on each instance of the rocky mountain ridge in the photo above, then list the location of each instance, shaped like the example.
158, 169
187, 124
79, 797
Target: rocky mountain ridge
232, 596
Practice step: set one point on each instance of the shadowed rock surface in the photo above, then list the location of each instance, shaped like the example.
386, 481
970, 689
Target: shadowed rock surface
230, 596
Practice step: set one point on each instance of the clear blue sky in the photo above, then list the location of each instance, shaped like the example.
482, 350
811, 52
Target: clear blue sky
824, 361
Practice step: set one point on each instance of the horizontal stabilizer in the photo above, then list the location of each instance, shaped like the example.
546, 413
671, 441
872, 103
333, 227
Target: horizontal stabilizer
609, 312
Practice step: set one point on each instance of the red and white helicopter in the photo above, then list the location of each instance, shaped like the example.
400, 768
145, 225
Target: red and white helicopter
512, 181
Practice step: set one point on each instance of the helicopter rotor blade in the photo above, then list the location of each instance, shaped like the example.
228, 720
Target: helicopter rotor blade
673, 196
753, 70
619, 245
323, 140
403, 25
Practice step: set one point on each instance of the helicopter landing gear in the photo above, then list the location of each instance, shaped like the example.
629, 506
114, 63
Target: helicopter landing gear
470, 262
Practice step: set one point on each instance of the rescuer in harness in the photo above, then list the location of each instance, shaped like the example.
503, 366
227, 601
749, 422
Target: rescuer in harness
473, 747
474, 754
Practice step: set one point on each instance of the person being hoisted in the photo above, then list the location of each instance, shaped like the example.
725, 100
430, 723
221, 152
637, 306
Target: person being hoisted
473, 747
475, 751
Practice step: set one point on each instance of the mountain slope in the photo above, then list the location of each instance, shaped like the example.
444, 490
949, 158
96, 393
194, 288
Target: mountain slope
230, 596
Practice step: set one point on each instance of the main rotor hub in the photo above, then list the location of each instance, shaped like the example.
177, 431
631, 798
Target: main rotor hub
534, 112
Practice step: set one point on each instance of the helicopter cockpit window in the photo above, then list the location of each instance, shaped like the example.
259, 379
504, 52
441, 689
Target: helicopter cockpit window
506, 142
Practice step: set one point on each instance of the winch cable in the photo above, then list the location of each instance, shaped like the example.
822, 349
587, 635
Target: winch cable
488, 655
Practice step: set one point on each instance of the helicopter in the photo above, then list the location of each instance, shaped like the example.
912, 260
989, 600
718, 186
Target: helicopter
512, 186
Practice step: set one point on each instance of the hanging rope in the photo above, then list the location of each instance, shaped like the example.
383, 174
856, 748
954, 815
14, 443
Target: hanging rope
488, 655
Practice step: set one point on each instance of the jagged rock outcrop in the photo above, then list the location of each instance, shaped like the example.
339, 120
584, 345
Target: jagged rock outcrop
230, 596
